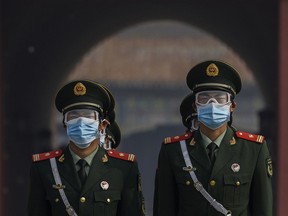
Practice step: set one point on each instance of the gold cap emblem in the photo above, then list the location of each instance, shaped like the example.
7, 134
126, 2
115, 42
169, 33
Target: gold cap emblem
79, 89
212, 70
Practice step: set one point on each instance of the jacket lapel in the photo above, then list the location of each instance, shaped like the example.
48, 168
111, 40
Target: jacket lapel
225, 153
198, 152
67, 169
98, 168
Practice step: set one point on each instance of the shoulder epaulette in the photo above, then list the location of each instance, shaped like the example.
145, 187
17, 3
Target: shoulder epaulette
250, 137
46, 155
185, 136
121, 155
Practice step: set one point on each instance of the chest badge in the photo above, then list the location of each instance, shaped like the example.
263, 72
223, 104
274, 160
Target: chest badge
104, 185
235, 167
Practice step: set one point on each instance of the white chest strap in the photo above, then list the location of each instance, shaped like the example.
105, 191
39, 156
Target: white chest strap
198, 185
60, 187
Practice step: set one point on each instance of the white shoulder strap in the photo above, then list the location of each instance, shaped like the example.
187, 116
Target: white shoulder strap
197, 184
60, 187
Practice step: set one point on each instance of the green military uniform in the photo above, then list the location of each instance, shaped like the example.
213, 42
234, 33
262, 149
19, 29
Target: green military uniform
240, 179
112, 187
119, 170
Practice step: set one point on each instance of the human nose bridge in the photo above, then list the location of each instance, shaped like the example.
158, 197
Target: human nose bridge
212, 99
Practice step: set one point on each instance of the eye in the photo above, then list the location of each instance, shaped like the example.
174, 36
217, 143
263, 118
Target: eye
90, 116
73, 115
221, 99
203, 98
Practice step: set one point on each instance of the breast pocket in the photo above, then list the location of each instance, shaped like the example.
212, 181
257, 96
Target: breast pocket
236, 189
106, 202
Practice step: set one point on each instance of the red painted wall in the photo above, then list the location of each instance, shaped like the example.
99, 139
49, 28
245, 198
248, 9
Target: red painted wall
282, 169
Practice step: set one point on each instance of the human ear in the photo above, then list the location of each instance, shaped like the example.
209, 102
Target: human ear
233, 106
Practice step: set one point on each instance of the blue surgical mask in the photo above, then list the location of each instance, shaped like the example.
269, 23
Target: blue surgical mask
82, 131
213, 115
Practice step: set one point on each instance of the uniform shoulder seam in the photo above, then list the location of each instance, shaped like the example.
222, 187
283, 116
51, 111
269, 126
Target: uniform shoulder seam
121, 155
173, 139
251, 137
46, 155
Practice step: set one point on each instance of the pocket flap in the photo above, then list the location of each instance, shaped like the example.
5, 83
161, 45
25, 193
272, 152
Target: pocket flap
236, 179
107, 196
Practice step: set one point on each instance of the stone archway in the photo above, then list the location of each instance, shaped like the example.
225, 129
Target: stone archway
145, 69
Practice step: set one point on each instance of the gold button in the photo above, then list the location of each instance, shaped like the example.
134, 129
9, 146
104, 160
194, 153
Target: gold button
212, 183
238, 183
188, 183
56, 200
82, 199
108, 200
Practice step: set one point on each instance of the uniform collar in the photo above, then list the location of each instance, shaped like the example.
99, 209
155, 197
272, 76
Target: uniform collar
207, 141
88, 159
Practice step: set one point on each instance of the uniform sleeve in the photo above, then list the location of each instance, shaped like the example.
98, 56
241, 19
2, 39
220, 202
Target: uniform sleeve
132, 201
261, 194
155, 200
165, 196
37, 202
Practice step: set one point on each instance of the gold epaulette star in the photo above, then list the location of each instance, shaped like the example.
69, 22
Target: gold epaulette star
185, 136
46, 155
121, 155
250, 137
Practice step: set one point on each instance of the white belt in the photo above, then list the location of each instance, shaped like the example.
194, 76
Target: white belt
197, 184
60, 187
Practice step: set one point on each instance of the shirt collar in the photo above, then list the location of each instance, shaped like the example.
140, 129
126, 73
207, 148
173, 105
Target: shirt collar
207, 141
88, 159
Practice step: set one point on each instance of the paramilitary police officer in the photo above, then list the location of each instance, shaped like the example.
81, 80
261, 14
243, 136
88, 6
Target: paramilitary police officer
84, 179
113, 136
189, 116
112, 141
215, 170
189, 120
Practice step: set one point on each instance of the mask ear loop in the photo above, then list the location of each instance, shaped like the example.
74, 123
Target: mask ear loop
231, 97
193, 125
64, 119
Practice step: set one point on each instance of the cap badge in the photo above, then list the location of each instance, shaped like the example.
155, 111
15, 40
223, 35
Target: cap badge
104, 185
235, 167
212, 70
79, 89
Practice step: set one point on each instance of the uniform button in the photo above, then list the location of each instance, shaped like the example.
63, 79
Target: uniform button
57, 200
188, 183
108, 200
82, 199
238, 183
212, 183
